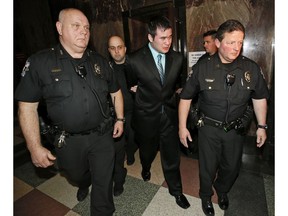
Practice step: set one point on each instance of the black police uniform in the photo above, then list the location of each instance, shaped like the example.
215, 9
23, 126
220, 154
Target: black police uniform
73, 105
126, 142
222, 102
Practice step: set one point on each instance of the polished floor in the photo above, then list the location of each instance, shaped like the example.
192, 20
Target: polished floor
44, 192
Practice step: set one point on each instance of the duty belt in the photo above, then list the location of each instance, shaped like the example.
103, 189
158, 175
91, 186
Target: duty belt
84, 132
213, 122
227, 126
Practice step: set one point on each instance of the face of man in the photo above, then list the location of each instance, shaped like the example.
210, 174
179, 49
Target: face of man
162, 40
117, 49
209, 45
230, 47
74, 31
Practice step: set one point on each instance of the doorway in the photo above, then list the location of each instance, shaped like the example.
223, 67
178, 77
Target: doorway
135, 25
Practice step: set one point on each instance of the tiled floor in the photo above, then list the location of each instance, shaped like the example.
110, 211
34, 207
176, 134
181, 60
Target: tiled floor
44, 192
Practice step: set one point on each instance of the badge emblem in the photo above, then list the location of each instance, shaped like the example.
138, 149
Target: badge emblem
97, 69
247, 76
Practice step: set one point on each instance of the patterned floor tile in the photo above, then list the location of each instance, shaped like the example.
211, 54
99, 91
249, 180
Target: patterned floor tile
157, 176
36, 203
247, 196
61, 190
72, 213
136, 197
32, 175
20, 188
163, 204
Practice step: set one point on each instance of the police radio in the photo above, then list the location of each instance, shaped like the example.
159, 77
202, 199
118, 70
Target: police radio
81, 71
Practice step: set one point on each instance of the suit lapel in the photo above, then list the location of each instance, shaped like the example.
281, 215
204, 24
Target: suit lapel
168, 64
152, 66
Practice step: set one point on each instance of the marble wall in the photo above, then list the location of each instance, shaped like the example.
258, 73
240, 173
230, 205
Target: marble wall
256, 15
34, 18
201, 15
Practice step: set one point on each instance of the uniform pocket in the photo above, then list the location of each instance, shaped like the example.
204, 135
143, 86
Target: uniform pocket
58, 89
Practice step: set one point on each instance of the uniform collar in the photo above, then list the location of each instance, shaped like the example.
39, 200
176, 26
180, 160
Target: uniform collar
231, 66
63, 54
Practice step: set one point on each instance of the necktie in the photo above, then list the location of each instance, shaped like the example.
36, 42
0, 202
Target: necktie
160, 67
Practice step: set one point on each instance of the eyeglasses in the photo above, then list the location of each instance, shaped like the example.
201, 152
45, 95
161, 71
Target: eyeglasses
113, 48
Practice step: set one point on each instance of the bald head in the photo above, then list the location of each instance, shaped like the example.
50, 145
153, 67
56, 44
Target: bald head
74, 31
117, 49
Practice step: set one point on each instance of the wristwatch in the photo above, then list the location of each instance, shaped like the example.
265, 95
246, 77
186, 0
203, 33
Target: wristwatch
263, 126
121, 119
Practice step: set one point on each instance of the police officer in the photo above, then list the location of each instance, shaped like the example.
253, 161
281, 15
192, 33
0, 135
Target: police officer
125, 143
74, 82
225, 83
209, 43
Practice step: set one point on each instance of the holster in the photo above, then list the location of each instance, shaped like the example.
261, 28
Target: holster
193, 117
243, 123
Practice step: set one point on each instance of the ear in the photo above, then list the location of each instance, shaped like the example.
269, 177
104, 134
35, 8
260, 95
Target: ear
59, 27
217, 43
150, 38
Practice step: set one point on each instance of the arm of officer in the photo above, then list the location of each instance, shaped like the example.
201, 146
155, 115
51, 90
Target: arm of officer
29, 123
117, 99
183, 111
260, 109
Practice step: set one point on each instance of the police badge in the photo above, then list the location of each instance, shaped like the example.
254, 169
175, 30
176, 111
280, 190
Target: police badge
247, 76
97, 69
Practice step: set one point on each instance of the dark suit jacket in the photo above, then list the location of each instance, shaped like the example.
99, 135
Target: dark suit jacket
151, 95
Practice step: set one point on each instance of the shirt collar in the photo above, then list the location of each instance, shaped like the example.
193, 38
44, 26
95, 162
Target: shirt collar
156, 53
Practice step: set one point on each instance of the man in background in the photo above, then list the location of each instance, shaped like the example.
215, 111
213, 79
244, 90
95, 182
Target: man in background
117, 50
209, 43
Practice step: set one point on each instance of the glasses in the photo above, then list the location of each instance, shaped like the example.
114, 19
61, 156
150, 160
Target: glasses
113, 48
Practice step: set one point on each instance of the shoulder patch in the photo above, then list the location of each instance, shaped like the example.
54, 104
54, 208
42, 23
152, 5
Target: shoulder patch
25, 68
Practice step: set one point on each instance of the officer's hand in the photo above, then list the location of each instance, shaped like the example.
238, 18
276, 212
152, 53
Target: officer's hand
261, 137
184, 134
118, 129
42, 157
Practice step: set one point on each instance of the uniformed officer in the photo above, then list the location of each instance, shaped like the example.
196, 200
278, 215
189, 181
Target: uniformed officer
74, 82
125, 143
224, 83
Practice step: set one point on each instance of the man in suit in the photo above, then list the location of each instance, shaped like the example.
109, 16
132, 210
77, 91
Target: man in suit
157, 71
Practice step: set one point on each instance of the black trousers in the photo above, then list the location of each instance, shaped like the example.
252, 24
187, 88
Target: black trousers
131, 146
167, 141
87, 160
119, 170
220, 156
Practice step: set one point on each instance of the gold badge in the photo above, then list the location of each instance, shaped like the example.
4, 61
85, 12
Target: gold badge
247, 76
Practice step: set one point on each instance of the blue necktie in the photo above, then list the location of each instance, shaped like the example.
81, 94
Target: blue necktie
160, 68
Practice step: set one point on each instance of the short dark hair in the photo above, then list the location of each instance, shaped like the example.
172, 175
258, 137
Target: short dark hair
229, 26
158, 22
211, 33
